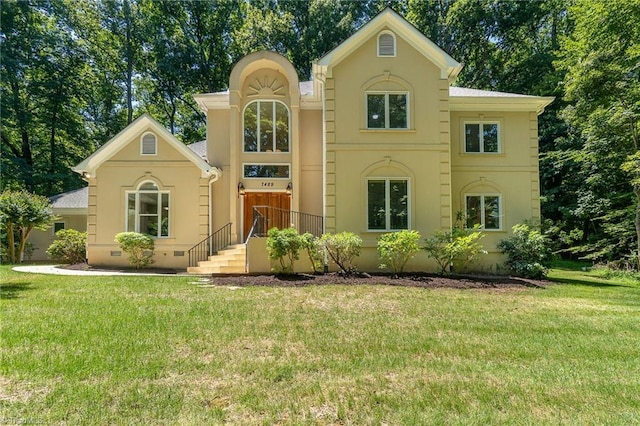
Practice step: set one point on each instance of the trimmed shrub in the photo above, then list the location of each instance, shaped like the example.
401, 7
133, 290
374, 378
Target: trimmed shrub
284, 246
315, 251
70, 247
528, 251
342, 249
458, 247
396, 248
139, 247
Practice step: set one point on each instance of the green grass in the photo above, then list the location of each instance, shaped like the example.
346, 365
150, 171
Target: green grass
162, 350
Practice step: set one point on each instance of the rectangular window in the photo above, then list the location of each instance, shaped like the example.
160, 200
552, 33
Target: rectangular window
275, 171
387, 111
148, 213
481, 137
57, 226
387, 204
484, 210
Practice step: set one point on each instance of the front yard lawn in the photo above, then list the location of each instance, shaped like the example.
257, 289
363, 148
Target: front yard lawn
167, 350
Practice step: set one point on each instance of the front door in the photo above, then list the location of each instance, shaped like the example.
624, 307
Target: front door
277, 216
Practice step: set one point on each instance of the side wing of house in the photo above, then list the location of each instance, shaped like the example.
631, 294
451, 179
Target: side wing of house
144, 180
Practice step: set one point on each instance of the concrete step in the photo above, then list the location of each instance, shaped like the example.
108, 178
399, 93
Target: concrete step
206, 270
231, 260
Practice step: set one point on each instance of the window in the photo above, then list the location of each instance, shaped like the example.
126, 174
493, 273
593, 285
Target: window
266, 127
484, 210
386, 44
148, 211
387, 110
481, 137
148, 145
387, 204
57, 226
277, 171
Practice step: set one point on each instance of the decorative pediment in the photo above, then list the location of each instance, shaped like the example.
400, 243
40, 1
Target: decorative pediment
266, 86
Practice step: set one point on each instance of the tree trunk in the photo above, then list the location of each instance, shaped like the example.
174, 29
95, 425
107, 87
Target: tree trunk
636, 191
11, 243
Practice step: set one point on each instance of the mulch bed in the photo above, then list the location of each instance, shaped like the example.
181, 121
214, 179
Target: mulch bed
411, 279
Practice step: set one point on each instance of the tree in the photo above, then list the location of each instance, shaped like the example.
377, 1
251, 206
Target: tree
601, 59
20, 213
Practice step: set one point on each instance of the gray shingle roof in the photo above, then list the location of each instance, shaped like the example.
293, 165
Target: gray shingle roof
76, 199
475, 93
199, 148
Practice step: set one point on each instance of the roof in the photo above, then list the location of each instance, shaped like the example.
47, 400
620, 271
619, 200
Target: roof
76, 199
465, 99
89, 166
200, 148
449, 67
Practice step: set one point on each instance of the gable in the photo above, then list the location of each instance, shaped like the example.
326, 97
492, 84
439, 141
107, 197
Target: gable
388, 20
126, 146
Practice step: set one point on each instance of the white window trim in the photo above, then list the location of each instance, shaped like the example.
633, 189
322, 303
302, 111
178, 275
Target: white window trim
393, 36
257, 101
482, 195
386, 94
481, 136
387, 207
155, 148
267, 164
137, 208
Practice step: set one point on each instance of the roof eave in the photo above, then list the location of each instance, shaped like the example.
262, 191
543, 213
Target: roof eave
477, 103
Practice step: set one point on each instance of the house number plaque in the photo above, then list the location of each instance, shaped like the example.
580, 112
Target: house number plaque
266, 184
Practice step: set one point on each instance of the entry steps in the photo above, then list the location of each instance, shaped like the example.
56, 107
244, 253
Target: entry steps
231, 260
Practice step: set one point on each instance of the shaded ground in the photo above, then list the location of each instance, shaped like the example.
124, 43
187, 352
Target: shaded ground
423, 280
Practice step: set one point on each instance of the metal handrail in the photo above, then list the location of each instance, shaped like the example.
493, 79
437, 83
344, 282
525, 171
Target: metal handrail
267, 217
210, 245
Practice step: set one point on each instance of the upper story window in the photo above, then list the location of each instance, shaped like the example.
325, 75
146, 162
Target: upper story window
482, 137
387, 204
266, 127
386, 44
148, 144
387, 110
484, 210
148, 210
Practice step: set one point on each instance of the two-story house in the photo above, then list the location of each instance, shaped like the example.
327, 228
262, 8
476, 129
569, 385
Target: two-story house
380, 140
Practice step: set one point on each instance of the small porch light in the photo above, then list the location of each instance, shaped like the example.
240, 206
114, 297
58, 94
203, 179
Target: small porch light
241, 190
289, 189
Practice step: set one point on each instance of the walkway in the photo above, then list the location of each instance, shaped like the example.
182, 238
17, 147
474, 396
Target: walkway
56, 270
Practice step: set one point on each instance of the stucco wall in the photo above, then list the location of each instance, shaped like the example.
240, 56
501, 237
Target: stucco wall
41, 240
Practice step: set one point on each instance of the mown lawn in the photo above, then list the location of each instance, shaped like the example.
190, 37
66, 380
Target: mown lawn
163, 350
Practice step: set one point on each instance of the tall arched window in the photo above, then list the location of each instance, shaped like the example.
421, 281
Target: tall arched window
266, 127
148, 210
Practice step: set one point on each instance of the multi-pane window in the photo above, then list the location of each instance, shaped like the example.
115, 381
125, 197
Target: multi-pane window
387, 110
481, 137
275, 171
148, 211
483, 210
148, 144
266, 127
387, 204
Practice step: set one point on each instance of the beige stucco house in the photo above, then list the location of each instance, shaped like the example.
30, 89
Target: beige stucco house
380, 140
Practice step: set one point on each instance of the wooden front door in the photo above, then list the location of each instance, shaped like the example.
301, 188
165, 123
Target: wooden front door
278, 216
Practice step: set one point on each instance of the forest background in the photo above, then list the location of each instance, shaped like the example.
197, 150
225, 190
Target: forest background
73, 73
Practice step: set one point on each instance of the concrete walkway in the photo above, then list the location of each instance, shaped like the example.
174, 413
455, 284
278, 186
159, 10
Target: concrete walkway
56, 270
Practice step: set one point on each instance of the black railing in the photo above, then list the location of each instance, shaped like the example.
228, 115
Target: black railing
210, 245
266, 217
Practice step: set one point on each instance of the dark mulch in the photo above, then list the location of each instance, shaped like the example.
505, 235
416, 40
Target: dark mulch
411, 279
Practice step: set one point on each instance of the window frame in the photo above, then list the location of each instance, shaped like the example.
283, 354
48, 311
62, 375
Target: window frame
155, 144
387, 181
136, 193
482, 196
386, 94
481, 136
266, 164
58, 222
393, 37
274, 143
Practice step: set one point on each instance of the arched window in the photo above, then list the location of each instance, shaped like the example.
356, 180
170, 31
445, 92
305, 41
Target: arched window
148, 210
386, 44
266, 127
148, 144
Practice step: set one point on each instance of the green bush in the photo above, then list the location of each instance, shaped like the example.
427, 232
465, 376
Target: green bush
70, 247
139, 247
396, 248
342, 249
458, 247
528, 251
315, 251
284, 246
